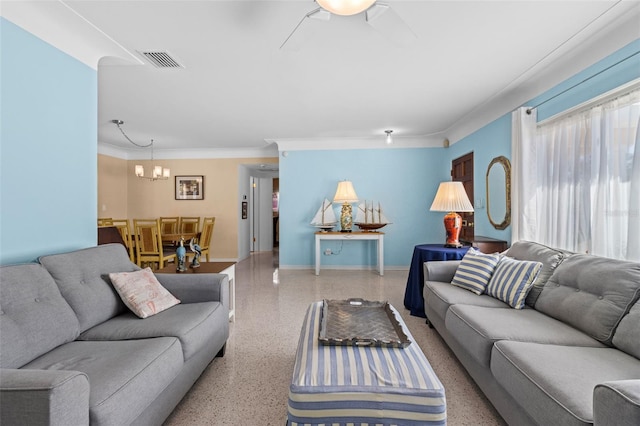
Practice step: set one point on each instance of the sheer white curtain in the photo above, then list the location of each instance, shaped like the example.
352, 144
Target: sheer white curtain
587, 181
523, 175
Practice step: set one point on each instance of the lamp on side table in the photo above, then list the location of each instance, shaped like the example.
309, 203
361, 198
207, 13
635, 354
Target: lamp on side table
452, 198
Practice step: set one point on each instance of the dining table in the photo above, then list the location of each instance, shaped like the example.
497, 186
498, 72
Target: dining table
176, 237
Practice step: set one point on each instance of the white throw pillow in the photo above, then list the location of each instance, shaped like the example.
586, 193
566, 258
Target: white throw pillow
142, 293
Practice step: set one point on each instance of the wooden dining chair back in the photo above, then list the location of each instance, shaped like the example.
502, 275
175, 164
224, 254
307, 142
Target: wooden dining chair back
149, 243
205, 235
125, 233
105, 221
189, 225
169, 225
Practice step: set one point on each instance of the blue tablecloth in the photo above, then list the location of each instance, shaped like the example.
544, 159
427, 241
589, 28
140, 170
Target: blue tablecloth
413, 298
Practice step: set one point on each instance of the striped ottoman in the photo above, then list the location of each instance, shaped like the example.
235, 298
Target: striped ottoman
352, 386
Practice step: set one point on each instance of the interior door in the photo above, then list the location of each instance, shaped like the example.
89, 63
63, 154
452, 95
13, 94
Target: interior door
462, 170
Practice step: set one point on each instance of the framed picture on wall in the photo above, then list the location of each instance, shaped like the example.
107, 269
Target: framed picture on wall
189, 187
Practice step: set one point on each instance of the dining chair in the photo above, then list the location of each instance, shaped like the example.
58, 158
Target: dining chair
105, 221
205, 235
169, 225
189, 225
125, 233
149, 243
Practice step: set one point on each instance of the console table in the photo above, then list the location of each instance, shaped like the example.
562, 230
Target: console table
413, 297
348, 236
228, 268
487, 244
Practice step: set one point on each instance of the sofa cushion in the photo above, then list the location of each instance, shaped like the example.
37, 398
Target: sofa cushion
34, 317
142, 293
591, 293
512, 280
194, 324
549, 257
627, 336
82, 277
617, 403
560, 392
476, 329
475, 271
439, 296
125, 376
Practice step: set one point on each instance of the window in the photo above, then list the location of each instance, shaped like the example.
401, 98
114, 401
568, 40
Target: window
581, 187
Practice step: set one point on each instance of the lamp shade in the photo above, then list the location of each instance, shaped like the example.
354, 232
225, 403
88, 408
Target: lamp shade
451, 197
345, 7
345, 193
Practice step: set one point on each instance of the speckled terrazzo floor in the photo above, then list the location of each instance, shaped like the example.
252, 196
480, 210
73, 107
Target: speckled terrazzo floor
249, 385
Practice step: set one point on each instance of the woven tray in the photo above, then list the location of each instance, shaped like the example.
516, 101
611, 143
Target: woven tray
358, 322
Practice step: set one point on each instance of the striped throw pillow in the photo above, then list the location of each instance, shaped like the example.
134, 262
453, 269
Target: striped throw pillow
475, 270
512, 280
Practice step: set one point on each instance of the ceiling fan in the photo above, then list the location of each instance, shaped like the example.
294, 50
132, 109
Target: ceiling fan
379, 15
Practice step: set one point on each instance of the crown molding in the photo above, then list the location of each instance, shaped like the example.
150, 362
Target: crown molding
377, 142
269, 151
613, 30
59, 25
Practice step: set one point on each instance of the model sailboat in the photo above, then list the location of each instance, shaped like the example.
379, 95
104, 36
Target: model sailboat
325, 218
370, 217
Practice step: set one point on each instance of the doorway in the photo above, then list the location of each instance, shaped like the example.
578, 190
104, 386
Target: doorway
261, 202
462, 171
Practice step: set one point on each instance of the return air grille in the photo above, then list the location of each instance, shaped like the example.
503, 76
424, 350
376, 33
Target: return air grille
161, 59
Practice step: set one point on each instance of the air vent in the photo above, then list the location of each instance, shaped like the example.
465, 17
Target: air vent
161, 59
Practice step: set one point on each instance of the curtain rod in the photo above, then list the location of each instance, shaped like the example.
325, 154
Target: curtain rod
529, 110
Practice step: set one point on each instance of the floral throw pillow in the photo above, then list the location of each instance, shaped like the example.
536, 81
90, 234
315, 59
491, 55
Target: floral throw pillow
142, 293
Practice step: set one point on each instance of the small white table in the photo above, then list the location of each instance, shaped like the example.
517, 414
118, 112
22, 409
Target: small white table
347, 236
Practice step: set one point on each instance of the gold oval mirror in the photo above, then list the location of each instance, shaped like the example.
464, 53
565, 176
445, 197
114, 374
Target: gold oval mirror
498, 184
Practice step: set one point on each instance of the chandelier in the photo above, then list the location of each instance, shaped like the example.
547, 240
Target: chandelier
157, 172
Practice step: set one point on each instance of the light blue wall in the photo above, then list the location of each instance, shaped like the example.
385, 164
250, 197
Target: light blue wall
487, 143
48, 149
618, 75
405, 181
495, 138
401, 179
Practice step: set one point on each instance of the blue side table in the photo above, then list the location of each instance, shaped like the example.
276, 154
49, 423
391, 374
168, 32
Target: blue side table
413, 298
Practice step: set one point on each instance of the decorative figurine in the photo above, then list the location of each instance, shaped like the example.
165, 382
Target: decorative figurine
181, 253
195, 263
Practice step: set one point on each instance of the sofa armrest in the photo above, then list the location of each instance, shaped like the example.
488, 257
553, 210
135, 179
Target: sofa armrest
617, 403
43, 397
194, 288
440, 270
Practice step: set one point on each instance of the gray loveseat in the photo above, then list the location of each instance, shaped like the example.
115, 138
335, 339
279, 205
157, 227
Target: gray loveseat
570, 357
71, 353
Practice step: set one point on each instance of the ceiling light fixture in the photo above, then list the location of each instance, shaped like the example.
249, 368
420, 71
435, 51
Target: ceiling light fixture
158, 172
345, 7
389, 140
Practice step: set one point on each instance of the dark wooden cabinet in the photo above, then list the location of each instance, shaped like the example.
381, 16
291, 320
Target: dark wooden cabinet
486, 244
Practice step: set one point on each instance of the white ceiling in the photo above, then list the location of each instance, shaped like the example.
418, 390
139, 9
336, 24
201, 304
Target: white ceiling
471, 62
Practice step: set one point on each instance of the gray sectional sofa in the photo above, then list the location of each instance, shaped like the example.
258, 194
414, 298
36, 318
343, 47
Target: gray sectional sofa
570, 357
71, 352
